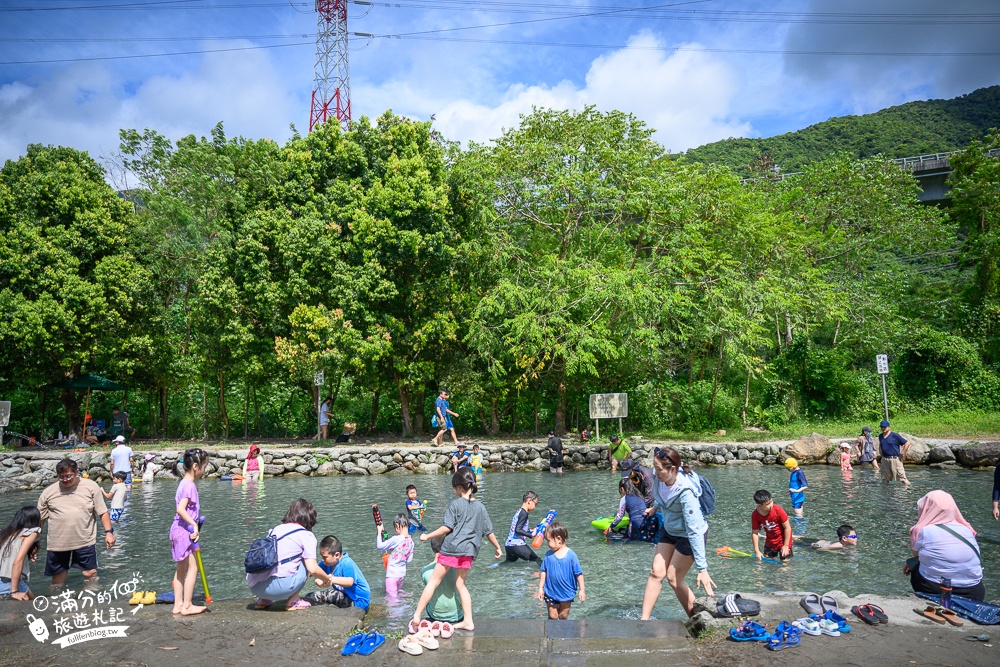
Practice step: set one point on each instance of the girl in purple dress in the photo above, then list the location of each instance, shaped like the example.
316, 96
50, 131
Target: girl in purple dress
185, 528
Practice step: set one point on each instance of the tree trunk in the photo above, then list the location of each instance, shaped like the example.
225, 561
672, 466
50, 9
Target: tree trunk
836, 333
256, 412
788, 329
746, 402
513, 416
419, 399
223, 412
404, 406
777, 329
204, 412
715, 380
246, 412
373, 420
536, 415
71, 402
560, 425
163, 411
494, 418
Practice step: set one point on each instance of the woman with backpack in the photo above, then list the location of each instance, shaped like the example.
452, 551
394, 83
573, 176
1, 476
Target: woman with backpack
681, 541
294, 560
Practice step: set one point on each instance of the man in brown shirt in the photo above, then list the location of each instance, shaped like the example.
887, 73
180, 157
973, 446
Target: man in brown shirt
72, 506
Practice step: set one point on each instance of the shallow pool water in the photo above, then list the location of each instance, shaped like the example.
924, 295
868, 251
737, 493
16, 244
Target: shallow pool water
615, 572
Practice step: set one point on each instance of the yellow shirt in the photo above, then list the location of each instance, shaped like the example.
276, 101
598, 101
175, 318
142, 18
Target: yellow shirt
72, 514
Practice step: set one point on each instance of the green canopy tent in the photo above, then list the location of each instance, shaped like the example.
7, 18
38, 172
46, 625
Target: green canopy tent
87, 381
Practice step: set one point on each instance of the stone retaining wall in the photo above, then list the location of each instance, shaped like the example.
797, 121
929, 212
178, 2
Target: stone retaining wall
27, 470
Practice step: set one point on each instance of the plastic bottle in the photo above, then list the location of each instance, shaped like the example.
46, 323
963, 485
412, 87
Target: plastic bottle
60, 435
946, 593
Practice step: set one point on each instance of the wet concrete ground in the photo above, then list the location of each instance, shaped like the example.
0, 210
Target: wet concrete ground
234, 634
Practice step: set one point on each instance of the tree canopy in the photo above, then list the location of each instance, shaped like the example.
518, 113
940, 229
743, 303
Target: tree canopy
570, 256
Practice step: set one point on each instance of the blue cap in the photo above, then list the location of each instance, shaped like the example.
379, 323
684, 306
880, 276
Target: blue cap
885, 422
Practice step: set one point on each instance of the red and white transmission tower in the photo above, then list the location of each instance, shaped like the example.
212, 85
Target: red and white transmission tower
331, 97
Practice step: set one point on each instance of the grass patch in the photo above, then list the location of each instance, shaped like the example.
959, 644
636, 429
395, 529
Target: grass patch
953, 424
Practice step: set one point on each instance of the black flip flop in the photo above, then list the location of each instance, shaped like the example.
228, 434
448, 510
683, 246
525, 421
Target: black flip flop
865, 614
879, 613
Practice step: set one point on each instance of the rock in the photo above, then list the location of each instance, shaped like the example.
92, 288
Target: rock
699, 624
809, 449
495, 457
326, 469
834, 458
522, 455
757, 455
743, 454
358, 471
770, 459
346, 467
303, 469
408, 465
941, 454
589, 457
721, 431
537, 464
706, 457
397, 457
635, 439
720, 460
377, 468
363, 463
729, 456
918, 452
747, 462
428, 469
273, 469
979, 455
441, 460
946, 465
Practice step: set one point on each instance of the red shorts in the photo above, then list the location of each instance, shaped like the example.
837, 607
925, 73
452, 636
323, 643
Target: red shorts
461, 562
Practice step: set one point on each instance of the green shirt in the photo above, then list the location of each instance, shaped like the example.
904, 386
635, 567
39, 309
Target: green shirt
444, 604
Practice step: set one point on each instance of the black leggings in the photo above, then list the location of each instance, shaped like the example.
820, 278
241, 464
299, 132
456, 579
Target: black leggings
520, 551
922, 585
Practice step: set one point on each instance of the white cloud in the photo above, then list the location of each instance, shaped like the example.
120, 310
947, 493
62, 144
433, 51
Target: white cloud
85, 105
686, 96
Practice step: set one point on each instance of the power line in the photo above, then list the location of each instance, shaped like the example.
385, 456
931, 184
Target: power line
364, 35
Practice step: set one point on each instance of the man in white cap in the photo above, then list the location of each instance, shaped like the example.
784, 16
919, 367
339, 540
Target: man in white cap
121, 459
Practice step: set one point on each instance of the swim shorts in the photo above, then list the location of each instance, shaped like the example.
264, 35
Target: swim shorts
461, 562
776, 553
116, 513
84, 558
798, 499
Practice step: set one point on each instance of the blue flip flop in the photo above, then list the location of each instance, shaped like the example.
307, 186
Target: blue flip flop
371, 642
353, 644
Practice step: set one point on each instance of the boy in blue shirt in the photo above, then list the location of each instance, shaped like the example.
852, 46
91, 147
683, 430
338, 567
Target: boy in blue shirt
414, 509
561, 576
796, 485
349, 586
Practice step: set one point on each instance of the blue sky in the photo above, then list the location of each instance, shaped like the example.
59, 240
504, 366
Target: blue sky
696, 71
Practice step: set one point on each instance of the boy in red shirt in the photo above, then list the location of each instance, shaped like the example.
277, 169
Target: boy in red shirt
777, 528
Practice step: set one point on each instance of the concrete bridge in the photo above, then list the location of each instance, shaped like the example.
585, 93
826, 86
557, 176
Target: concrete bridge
931, 171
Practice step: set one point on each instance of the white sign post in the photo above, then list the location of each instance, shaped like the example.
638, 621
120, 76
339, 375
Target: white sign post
882, 365
608, 406
318, 380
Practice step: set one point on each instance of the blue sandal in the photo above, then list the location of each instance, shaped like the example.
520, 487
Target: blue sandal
785, 636
841, 622
371, 642
353, 644
748, 631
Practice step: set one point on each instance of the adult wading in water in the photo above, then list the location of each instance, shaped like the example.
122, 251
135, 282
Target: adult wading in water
681, 540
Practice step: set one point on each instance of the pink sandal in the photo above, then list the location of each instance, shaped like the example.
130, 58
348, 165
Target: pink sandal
436, 629
447, 630
424, 625
413, 628
298, 605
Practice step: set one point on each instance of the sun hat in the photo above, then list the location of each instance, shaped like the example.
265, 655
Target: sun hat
791, 463
845, 445
150, 457
884, 423
866, 429
119, 438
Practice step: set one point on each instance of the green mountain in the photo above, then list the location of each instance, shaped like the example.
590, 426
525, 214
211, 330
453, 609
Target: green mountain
915, 128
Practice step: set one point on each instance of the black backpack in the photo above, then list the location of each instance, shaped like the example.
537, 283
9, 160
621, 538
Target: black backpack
263, 554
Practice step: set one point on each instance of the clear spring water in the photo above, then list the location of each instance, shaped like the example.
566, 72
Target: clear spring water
615, 572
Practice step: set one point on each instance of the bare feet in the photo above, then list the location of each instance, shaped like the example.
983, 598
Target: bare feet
192, 610
465, 626
176, 610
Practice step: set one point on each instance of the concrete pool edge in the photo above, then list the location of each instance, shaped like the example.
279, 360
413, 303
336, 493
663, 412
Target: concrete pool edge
235, 633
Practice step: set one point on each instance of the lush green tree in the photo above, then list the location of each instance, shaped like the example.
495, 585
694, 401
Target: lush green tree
73, 294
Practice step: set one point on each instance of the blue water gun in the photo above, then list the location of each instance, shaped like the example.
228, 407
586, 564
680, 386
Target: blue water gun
542, 527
